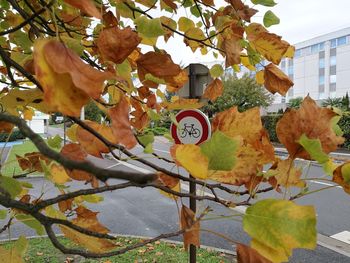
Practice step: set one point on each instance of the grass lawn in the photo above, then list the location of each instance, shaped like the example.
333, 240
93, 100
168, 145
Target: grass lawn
11, 166
41, 250
60, 125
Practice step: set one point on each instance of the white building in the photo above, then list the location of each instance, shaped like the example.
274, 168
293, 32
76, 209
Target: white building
320, 68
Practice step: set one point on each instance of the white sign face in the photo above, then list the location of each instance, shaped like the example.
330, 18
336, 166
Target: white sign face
193, 127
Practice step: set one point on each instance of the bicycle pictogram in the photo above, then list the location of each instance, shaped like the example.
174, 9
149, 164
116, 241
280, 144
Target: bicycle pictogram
190, 130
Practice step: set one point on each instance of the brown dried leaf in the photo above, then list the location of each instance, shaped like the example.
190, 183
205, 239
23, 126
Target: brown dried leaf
276, 81
91, 144
87, 6
116, 44
311, 120
65, 61
121, 127
214, 90
247, 254
75, 152
191, 236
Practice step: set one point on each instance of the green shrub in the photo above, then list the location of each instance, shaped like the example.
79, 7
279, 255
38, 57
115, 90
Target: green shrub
15, 135
157, 130
344, 124
270, 122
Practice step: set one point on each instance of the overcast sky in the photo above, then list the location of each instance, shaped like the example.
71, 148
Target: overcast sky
300, 20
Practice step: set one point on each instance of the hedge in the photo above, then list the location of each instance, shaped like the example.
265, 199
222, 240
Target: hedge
270, 121
15, 135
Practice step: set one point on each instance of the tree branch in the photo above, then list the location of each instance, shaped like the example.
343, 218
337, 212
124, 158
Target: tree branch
100, 173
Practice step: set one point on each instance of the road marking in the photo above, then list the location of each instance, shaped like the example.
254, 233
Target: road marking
109, 167
343, 236
134, 167
323, 183
322, 240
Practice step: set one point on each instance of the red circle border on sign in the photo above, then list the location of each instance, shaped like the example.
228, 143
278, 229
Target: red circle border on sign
197, 115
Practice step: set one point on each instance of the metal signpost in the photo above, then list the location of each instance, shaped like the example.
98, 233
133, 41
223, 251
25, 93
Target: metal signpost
193, 125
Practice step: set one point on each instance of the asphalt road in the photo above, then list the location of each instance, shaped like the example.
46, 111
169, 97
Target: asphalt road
145, 212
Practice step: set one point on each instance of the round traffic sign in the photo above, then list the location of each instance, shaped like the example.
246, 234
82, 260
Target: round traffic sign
193, 127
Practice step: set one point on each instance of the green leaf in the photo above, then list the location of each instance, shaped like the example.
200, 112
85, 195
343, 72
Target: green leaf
216, 71
173, 119
185, 24
55, 142
220, 150
10, 185
148, 148
153, 115
334, 122
345, 172
3, 214
74, 44
21, 245
154, 79
264, 2
196, 11
147, 140
149, 27
270, 19
314, 148
92, 198
31, 222
279, 226
169, 137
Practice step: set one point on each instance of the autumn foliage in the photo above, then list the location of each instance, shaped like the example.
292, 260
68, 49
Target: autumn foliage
58, 56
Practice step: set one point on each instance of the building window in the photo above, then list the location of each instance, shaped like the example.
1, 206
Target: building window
283, 99
321, 46
290, 92
297, 53
333, 43
333, 61
321, 80
341, 41
314, 48
290, 70
321, 63
333, 79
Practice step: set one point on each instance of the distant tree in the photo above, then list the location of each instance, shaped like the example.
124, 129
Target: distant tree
243, 92
346, 102
295, 103
93, 113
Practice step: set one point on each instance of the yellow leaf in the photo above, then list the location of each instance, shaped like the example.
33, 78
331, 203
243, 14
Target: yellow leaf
28, 114
290, 52
260, 77
271, 46
286, 173
58, 174
183, 104
191, 158
93, 244
72, 132
245, 61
